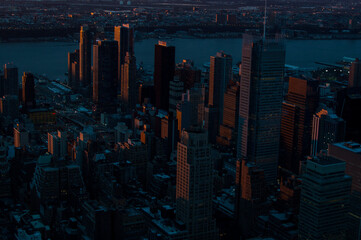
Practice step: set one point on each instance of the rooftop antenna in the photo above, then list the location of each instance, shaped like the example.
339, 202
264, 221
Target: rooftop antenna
265, 20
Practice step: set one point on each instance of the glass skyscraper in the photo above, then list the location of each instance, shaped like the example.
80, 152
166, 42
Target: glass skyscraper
260, 102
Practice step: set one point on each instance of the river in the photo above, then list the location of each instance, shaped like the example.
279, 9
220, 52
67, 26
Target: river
50, 58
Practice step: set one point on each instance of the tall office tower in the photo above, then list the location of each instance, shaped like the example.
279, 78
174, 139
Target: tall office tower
124, 35
28, 90
327, 128
191, 110
350, 153
228, 129
146, 92
296, 124
211, 123
220, 74
73, 58
5, 183
57, 144
21, 137
175, 94
348, 103
75, 82
129, 88
11, 80
85, 46
169, 133
105, 65
194, 185
2, 83
324, 199
164, 64
188, 74
261, 103
9, 106
251, 195
354, 80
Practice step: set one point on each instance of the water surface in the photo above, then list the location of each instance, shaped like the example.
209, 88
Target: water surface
50, 58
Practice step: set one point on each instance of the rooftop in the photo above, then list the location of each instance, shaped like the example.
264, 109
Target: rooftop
350, 146
326, 160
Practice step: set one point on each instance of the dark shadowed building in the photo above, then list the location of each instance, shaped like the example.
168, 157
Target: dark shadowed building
28, 90
105, 65
164, 65
85, 47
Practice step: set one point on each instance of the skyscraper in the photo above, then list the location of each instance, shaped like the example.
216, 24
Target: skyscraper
21, 137
85, 46
348, 103
250, 195
188, 74
194, 185
73, 74
28, 90
175, 94
105, 65
124, 35
164, 65
228, 128
354, 80
327, 128
191, 109
296, 124
261, 103
219, 76
75, 83
57, 144
11, 80
5, 182
129, 88
2, 82
9, 106
324, 199
350, 153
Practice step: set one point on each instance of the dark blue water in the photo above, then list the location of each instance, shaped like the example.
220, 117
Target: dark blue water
50, 58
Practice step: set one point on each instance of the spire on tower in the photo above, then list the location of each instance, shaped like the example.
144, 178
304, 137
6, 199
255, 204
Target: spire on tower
265, 20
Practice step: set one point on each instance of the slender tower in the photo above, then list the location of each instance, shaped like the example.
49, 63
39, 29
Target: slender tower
265, 20
85, 46
124, 35
28, 90
129, 82
105, 63
164, 66
260, 103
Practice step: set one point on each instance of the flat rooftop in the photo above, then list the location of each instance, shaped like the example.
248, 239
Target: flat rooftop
350, 146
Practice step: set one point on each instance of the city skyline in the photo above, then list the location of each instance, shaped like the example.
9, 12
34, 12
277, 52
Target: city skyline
144, 128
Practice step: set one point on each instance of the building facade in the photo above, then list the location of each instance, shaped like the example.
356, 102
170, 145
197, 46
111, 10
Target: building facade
324, 199
194, 185
164, 66
105, 65
260, 103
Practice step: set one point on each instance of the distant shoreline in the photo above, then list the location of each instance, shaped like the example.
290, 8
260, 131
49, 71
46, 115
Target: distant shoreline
175, 36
